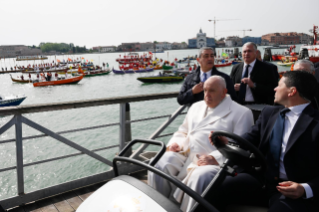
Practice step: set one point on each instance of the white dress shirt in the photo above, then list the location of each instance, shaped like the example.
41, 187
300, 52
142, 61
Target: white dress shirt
208, 74
249, 95
291, 118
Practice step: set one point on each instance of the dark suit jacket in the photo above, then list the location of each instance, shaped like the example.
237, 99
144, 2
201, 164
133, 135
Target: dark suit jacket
301, 158
264, 77
186, 96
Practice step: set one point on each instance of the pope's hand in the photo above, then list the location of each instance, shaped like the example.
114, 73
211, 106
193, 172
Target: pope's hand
206, 160
291, 189
174, 147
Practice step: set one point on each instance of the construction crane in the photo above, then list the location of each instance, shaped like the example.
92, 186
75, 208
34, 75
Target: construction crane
244, 30
219, 20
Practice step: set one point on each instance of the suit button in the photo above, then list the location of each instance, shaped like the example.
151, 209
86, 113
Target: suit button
276, 178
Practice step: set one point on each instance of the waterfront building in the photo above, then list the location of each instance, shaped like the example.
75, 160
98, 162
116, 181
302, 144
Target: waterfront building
18, 50
103, 49
148, 46
256, 40
282, 38
201, 40
177, 45
131, 46
232, 41
305, 38
163, 46
264, 42
220, 43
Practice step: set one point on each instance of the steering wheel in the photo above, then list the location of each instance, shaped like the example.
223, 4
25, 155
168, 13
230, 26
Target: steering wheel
251, 159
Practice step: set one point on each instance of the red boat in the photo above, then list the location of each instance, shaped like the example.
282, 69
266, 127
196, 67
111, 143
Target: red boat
288, 52
133, 58
311, 51
222, 63
72, 80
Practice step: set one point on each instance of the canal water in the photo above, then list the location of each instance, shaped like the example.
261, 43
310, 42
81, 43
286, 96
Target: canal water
52, 173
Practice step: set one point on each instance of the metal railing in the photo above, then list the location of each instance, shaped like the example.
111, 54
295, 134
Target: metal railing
124, 127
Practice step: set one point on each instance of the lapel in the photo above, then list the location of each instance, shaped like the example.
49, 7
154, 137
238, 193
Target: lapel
300, 127
257, 63
239, 72
196, 77
219, 112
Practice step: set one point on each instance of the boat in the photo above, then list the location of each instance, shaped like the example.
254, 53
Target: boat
221, 64
236, 61
287, 61
287, 52
133, 57
72, 80
11, 100
311, 52
21, 80
161, 78
22, 58
93, 73
167, 67
132, 71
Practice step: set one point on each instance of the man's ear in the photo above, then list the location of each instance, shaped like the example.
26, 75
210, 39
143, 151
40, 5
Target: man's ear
292, 91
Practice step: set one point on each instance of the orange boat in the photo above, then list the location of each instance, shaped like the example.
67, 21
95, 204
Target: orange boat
72, 80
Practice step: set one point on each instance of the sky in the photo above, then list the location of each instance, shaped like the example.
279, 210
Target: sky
112, 22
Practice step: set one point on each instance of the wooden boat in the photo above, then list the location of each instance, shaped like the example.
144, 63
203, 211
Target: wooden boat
12, 101
285, 63
161, 79
72, 80
21, 58
20, 80
167, 67
132, 71
94, 73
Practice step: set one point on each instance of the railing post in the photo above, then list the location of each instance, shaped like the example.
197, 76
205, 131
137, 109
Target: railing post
122, 125
19, 154
125, 128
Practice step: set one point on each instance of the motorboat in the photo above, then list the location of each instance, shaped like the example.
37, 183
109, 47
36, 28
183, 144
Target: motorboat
162, 78
132, 71
11, 100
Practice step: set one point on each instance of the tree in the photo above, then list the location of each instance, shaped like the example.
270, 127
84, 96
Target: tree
221, 39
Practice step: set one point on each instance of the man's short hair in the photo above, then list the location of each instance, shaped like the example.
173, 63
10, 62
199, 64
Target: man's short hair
251, 44
203, 49
305, 83
309, 63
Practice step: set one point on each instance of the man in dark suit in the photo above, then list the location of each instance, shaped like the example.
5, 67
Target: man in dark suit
274, 67
253, 80
192, 89
288, 136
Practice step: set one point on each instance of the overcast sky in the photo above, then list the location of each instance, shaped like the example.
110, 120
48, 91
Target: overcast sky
111, 22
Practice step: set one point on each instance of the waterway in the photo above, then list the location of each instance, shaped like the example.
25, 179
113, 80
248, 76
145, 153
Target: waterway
48, 174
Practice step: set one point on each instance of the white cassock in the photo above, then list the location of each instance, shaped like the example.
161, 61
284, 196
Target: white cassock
192, 137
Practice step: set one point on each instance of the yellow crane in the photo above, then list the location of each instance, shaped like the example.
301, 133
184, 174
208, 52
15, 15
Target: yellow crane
219, 20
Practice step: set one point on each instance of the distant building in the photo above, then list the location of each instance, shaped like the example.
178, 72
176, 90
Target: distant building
131, 46
176, 45
201, 41
264, 43
256, 40
148, 46
282, 38
220, 43
103, 49
232, 41
18, 50
305, 38
163, 46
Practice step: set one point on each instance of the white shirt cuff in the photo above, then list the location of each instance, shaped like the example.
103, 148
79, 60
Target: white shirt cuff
308, 190
218, 156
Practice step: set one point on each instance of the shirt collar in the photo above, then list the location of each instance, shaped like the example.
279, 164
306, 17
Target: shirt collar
297, 110
251, 64
208, 72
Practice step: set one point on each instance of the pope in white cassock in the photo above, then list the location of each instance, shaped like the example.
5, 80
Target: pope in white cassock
190, 157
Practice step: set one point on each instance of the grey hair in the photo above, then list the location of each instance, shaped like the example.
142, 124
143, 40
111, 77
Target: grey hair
203, 49
220, 79
309, 63
251, 44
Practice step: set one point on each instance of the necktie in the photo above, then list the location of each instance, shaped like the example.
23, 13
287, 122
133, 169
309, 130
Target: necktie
205, 77
275, 139
242, 88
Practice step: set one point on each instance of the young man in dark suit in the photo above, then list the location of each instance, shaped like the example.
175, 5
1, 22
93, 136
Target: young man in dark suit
288, 136
253, 80
192, 89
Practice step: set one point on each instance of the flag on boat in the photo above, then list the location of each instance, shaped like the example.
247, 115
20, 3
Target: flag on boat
80, 70
58, 60
91, 60
83, 58
150, 53
69, 59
